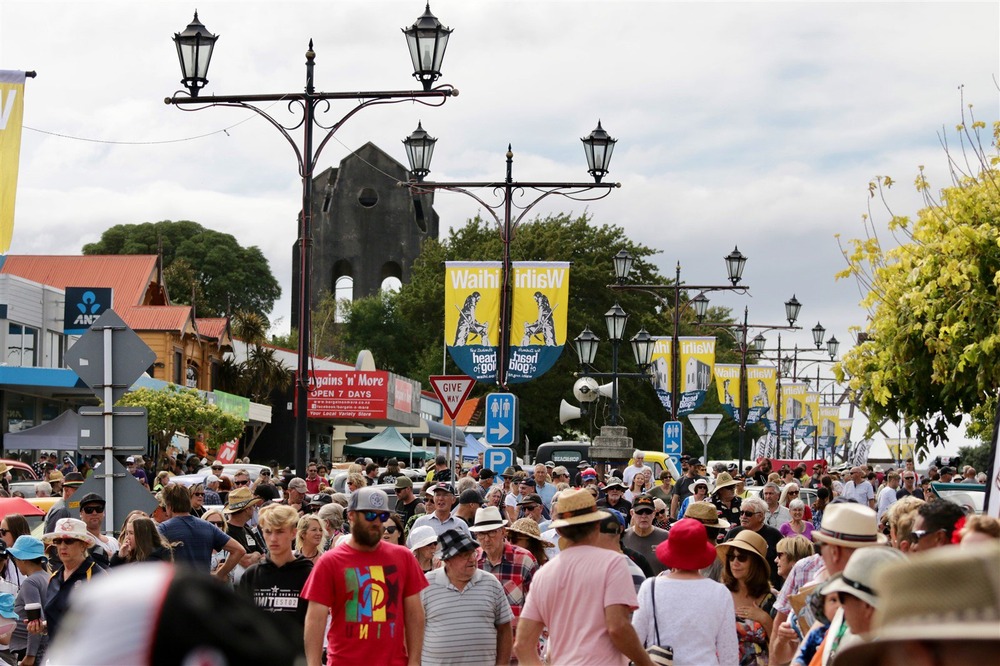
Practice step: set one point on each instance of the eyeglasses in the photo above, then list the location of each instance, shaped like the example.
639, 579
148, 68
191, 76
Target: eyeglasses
245, 482
4, 532
265, 472
198, 494
738, 555
92, 509
917, 535
390, 529
58, 541
371, 516
749, 514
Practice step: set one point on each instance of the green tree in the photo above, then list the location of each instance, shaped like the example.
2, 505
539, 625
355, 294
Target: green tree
181, 410
213, 267
978, 456
406, 330
931, 349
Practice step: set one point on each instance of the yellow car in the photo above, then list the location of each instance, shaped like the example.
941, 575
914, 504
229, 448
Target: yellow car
659, 461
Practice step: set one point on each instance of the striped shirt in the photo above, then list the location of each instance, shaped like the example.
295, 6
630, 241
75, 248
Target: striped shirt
461, 626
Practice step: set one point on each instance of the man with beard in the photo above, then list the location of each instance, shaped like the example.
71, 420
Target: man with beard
370, 589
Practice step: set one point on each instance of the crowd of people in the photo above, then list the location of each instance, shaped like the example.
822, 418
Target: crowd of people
531, 566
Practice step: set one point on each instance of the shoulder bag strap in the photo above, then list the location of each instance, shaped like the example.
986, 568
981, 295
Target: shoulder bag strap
652, 595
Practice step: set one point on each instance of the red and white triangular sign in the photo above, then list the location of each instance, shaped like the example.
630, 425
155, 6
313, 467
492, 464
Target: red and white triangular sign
452, 390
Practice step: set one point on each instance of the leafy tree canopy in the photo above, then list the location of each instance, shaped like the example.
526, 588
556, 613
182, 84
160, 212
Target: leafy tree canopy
931, 350
222, 275
405, 331
175, 409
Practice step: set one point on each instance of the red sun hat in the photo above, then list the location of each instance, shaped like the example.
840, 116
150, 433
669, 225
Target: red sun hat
687, 547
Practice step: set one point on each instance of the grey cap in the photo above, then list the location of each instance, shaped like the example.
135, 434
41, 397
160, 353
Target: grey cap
368, 499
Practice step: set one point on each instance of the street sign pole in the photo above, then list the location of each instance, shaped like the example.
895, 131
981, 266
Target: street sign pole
452, 390
109, 470
705, 425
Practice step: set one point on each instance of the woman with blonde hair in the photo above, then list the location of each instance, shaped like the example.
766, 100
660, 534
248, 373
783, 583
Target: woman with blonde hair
356, 481
791, 549
310, 536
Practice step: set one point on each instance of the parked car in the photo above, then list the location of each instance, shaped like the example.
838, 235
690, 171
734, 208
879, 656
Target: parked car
18, 470
230, 470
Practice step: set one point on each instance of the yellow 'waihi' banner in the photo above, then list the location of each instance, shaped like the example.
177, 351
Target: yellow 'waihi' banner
761, 388
472, 316
11, 117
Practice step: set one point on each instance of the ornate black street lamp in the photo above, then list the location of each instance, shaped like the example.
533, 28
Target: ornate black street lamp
427, 40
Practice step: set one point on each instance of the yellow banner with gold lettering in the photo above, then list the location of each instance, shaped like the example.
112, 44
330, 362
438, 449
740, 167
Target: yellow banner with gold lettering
11, 117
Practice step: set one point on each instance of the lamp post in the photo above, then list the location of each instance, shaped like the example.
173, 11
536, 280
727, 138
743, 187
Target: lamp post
598, 146
740, 334
790, 366
586, 349
427, 40
735, 263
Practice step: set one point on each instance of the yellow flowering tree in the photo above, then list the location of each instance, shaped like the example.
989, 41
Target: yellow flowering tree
931, 349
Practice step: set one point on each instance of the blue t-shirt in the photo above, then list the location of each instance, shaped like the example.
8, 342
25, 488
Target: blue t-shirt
193, 540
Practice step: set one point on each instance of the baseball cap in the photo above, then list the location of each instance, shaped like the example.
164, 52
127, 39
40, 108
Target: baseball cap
486, 473
92, 498
589, 474
643, 502
368, 499
298, 484
403, 482
530, 499
442, 487
528, 481
130, 460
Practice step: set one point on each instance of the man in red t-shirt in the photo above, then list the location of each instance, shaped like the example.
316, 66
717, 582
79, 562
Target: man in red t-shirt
371, 589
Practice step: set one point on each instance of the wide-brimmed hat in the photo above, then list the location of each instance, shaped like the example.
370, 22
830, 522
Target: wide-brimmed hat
748, 541
420, 536
27, 547
488, 518
510, 472
724, 480
529, 528
55, 476
615, 483
530, 498
576, 507
687, 547
698, 482
858, 577
707, 515
455, 542
73, 479
968, 610
70, 528
240, 499
849, 525
3, 468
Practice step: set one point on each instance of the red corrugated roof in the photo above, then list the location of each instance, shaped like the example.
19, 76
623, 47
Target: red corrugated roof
212, 327
128, 275
157, 317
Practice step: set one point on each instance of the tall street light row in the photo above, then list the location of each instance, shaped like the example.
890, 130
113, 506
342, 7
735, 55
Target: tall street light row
427, 40
508, 195
735, 263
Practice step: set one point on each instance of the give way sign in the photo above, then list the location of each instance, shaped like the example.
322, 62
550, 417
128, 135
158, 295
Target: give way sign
452, 390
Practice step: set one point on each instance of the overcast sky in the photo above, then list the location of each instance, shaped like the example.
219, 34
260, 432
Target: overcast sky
749, 124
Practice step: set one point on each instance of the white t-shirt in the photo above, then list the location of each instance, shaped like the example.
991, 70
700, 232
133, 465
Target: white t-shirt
703, 636
630, 473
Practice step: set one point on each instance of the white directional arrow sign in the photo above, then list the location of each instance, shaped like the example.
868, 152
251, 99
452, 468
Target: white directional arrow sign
705, 425
500, 431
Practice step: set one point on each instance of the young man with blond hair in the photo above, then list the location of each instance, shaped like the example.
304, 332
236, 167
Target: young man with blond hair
275, 584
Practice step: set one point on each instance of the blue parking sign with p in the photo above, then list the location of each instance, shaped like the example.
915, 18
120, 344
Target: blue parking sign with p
498, 460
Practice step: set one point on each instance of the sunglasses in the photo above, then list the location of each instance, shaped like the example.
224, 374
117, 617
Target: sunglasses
198, 494
241, 483
92, 509
58, 541
793, 492
4, 532
644, 512
217, 523
738, 555
390, 529
371, 516
530, 507
265, 473
749, 514
917, 535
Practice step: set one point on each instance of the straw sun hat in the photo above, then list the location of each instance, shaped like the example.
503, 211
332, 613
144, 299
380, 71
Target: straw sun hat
748, 541
849, 525
529, 528
576, 507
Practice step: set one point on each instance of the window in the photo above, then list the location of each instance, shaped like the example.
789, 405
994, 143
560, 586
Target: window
22, 345
178, 368
344, 293
55, 346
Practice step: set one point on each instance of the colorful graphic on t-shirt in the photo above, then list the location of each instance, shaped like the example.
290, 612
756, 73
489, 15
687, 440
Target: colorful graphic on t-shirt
372, 591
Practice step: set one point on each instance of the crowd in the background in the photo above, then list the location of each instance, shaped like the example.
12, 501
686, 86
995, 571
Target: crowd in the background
542, 564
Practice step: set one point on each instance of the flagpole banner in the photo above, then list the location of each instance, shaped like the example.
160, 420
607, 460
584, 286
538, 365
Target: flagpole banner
761, 388
829, 425
11, 117
697, 364
472, 316
538, 318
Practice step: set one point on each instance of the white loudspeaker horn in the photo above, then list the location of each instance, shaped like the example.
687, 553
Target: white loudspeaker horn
568, 412
607, 390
